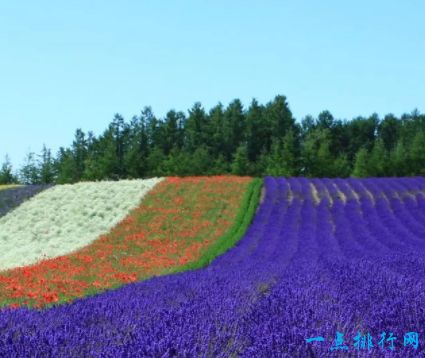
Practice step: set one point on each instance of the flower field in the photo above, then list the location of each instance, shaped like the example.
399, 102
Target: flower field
8, 186
12, 196
327, 258
65, 218
178, 225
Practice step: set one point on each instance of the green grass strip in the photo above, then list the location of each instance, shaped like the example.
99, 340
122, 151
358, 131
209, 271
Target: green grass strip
243, 219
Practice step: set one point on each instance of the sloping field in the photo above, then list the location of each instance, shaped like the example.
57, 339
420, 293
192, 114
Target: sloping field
8, 186
182, 223
13, 196
65, 218
328, 259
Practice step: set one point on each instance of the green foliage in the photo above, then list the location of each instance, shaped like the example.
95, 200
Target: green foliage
273, 161
388, 131
325, 120
290, 159
417, 154
240, 165
399, 160
378, 161
200, 161
6, 174
361, 165
256, 130
234, 234
233, 128
361, 133
260, 140
342, 167
317, 157
155, 162
279, 118
46, 169
29, 173
196, 130
283, 159
220, 166
66, 167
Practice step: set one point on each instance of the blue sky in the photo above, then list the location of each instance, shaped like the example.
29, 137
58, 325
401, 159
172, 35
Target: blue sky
73, 64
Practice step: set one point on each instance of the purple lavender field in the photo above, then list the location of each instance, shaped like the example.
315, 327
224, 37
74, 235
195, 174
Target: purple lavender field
13, 197
322, 256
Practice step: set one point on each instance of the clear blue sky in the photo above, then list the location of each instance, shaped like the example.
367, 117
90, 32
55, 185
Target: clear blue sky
73, 64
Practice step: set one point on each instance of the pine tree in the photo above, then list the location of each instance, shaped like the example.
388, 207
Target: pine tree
79, 155
155, 162
361, 133
279, 118
274, 160
417, 154
66, 167
177, 163
341, 167
240, 165
256, 130
378, 161
388, 131
316, 155
6, 174
262, 140
233, 128
325, 120
220, 166
200, 161
361, 165
216, 119
325, 162
196, 129
152, 126
119, 130
46, 167
290, 166
399, 160
29, 173
94, 168
138, 148
172, 133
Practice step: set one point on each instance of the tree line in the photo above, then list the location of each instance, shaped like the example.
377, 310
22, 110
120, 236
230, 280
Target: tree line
263, 139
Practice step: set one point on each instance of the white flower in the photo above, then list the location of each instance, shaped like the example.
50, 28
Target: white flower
65, 218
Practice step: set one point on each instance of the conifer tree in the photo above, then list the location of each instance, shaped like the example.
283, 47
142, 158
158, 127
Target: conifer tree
240, 165
6, 174
378, 161
398, 160
46, 164
29, 173
417, 154
361, 165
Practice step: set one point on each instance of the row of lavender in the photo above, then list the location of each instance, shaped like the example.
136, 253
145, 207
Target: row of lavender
13, 197
322, 257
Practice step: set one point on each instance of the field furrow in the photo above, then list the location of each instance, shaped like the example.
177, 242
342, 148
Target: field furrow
321, 257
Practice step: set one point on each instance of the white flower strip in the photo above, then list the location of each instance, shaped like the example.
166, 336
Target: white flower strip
65, 218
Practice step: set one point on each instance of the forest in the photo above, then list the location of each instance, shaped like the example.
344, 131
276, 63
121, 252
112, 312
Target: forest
263, 139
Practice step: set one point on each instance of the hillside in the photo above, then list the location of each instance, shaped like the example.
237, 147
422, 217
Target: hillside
76, 240
322, 258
